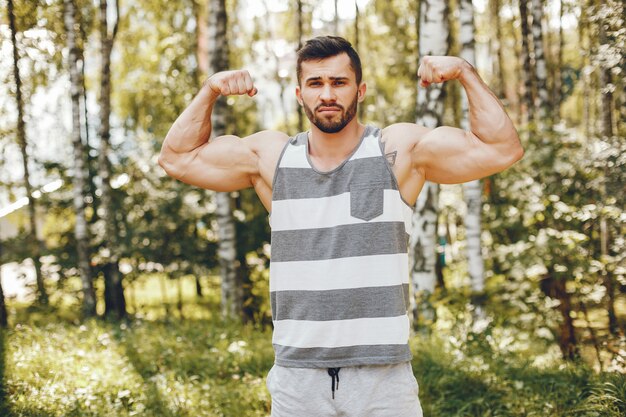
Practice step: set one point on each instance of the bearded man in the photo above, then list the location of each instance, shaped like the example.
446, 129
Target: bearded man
341, 197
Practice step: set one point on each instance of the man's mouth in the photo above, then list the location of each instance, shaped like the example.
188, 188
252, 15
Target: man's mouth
328, 109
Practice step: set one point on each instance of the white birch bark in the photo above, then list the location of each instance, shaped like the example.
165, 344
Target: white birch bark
527, 72
80, 228
472, 189
608, 278
541, 71
36, 245
226, 252
433, 40
501, 87
300, 32
115, 303
558, 79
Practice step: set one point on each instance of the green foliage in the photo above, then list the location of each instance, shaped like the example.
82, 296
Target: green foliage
543, 221
389, 62
475, 367
156, 77
202, 366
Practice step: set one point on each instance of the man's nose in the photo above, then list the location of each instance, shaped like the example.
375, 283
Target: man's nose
327, 93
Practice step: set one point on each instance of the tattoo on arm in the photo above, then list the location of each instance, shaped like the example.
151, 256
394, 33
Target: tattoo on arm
391, 157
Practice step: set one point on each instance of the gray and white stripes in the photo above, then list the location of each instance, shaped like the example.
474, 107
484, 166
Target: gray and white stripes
339, 268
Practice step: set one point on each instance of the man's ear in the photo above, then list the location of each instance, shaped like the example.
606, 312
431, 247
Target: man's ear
361, 91
298, 95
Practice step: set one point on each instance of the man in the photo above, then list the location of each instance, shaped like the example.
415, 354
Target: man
340, 197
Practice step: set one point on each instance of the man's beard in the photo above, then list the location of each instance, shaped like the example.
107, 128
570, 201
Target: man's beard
332, 126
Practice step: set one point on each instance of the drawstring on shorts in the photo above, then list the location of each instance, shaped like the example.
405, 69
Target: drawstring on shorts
334, 372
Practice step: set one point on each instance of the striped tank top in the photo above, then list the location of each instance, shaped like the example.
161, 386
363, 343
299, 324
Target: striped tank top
339, 276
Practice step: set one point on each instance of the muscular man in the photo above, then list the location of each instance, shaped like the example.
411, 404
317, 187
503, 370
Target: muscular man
340, 197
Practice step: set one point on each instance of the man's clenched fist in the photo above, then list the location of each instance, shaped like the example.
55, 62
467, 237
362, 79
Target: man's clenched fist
231, 83
437, 69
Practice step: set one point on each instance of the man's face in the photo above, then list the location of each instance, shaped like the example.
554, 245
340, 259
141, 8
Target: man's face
329, 93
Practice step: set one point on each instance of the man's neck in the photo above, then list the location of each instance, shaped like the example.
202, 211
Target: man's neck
334, 147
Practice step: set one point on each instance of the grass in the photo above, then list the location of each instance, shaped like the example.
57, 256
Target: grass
159, 364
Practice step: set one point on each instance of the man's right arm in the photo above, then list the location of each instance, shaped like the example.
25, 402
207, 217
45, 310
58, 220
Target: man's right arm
225, 163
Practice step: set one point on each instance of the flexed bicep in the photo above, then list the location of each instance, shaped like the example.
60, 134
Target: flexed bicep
226, 163
448, 155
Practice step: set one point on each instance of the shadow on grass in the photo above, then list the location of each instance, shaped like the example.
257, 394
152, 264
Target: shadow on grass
155, 403
197, 350
490, 386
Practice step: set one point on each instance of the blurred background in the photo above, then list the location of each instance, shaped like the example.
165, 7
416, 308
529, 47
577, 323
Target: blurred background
125, 292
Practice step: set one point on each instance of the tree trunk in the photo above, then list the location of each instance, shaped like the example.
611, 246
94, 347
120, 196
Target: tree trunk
300, 36
115, 303
198, 286
357, 40
248, 303
80, 228
472, 189
202, 37
608, 278
36, 245
518, 92
583, 31
226, 251
607, 92
433, 40
501, 85
180, 302
541, 73
558, 73
164, 298
92, 160
554, 287
4, 323
527, 72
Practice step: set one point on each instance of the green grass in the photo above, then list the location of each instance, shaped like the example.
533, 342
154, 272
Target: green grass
159, 364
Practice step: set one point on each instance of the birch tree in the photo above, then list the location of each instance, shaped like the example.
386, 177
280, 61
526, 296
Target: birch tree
541, 73
433, 40
558, 73
526, 64
606, 116
300, 36
500, 87
471, 190
115, 304
226, 252
36, 245
81, 231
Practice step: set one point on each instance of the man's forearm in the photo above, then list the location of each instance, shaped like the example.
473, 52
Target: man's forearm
488, 119
193, 127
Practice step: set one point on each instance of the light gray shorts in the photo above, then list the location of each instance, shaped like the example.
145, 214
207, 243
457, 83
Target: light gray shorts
360, 391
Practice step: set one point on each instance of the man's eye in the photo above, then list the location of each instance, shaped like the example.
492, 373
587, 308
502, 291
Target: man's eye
339, 82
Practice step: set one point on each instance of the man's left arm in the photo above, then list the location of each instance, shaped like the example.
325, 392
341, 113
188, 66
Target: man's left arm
449, 155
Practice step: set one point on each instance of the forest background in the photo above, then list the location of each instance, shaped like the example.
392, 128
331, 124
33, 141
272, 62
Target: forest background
126, 292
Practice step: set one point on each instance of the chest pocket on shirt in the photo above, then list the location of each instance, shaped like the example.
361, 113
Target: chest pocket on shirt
366, 199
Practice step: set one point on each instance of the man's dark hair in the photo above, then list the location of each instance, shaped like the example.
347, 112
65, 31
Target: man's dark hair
323, 47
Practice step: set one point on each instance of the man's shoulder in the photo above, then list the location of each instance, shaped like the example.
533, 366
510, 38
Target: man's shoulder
405, 129
267, 142
265, 137
403, 133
